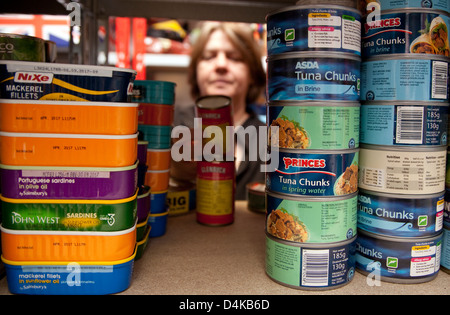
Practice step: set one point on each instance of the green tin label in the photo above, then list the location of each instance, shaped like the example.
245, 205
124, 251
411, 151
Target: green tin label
22, 48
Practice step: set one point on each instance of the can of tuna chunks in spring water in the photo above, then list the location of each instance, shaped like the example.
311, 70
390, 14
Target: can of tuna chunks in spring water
409, 77
404, 124
398, 260
311, 220
310, 266
400, 215
215, 192
313, 76
315, 125
315, 173
320, 27
394, 170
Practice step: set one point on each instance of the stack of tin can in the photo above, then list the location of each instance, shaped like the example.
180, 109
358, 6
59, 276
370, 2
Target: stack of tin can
404, 120
313, 70
155, 119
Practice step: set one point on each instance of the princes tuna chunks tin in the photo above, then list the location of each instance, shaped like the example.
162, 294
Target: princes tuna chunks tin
319, 28
406, 31
400, 215
399, 260
310, 266
365, 6
398, 171
315, 173
315, 125
311, 220
318, 76
405, 77
404, 123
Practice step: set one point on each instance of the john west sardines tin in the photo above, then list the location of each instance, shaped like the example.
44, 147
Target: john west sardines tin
310, 266
405, 77
65, 82
396, 170
400, 260
315, 125
311, 220
307, 28
315, 173
395, 4
404, 123
21, 47
410, 31
400, 215
318, 76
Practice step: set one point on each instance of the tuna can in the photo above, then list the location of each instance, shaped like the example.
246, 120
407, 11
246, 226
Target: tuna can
404, 4
215, 192
311, 220
404, 123
22, 47
400, 77
310, 266
445, 258
447, 208
395, 170
400, 216
399, 260
256, 197
315, 125
406, 31
315, 173
318, 76
314, 28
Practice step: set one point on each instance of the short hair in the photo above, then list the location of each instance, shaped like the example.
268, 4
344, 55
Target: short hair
241, 36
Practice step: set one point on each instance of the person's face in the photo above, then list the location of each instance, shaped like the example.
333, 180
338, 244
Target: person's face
221, 69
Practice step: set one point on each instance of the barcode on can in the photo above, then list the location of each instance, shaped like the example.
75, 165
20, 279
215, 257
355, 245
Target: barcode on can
409, 125
439, 83
315, 266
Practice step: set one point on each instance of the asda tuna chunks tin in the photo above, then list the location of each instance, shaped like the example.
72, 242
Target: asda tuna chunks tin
319, 28
406, 31
315, 173
318, 76
400, 215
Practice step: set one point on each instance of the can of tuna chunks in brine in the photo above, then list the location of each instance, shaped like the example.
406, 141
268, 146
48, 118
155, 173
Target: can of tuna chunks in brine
215, 192
315, 125
398, 260
313, 76
398, 77
394, 170
400, 215
406, 31
404, 124
310, 266
315, 173
21, 48
311, 220
322, 27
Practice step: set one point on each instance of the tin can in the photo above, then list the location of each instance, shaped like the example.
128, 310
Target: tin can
22, 47
314, 28
406, 31
447, 208
315, 125
311, 220
318, 76
181, 197
256, 197
410, 77
215, 192
398, 171
363, 5
400, 215
315, 173
404, 123
153, 92
445, 258
310, 266
399, 260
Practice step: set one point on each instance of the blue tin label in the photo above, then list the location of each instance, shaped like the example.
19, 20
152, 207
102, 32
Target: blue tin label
401, 4
400, 217
445, 258
315, 174
312, 29
406, 32
405, 79
404, 125
295, 77
410, 259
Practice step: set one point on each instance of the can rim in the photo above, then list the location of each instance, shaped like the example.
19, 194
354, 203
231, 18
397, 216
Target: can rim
311, 198
397, 239
209, 101
318, 151
409, 103
324, 103
316, 6
397, 196
398, 148
401, 56
312, 245
410, 10
316, 55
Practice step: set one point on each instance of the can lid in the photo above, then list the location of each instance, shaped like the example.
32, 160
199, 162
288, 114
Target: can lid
154, 92
213, 101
